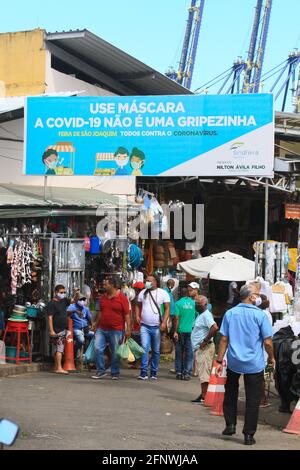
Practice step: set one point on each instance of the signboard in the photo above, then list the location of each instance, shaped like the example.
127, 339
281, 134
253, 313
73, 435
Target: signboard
292, 211
223, 135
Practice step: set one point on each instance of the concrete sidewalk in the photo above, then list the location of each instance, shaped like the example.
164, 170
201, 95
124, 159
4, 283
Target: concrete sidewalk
7, 370
269, 415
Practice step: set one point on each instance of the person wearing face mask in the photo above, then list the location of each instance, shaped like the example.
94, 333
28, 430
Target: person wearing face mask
58, 325
137, 161
149, 316
204, 331
185, 314
121, 159
82, 319
246, 332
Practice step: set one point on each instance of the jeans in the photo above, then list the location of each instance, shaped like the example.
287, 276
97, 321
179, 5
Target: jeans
150, 339
184, 355
253, 386
112, 338
79, 339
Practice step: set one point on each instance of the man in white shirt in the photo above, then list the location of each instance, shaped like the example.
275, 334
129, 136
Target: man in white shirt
148, 315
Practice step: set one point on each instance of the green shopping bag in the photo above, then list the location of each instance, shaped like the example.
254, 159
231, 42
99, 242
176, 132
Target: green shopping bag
123, 351
136, 349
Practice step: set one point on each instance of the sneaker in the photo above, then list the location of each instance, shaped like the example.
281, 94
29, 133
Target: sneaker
115, 377
143, 377
99, 376
179, 376
199, 400
186, 377
172, 371
153, 376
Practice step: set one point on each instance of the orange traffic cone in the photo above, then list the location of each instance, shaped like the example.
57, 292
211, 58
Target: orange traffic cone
217, 406
211, 390
69, 349
293, 426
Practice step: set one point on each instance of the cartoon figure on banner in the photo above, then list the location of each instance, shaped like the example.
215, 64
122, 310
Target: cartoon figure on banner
51, 161
121, 159
137, 161
54, 164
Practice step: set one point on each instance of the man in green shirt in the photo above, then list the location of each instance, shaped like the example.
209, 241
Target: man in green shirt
185, 314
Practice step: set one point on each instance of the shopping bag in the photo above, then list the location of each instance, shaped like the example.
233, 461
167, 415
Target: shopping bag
90, 355
136, 349
131, 357
123, 351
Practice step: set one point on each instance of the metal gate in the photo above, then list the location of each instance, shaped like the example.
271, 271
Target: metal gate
69, 264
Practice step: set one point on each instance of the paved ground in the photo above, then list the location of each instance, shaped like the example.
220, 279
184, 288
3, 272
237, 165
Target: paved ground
75, 412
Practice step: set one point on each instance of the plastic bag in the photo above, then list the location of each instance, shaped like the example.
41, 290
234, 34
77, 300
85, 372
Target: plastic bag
136, 349
123, 351
90, 354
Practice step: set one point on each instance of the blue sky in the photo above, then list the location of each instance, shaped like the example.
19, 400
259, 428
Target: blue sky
152, 30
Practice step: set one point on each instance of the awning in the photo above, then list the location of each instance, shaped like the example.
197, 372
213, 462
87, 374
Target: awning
36, 201
109, 65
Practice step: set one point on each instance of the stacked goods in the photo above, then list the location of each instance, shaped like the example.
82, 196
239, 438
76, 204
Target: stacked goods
160, 256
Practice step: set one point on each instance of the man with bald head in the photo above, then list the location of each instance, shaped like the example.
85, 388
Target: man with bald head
204, 330
246, 332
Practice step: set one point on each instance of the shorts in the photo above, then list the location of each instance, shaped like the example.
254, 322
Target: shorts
204, 361
59, 341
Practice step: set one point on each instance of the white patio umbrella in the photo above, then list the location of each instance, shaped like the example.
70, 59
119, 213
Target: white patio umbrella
225, 266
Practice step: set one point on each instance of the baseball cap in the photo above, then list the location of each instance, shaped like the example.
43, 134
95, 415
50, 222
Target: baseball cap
138, 285
194, 285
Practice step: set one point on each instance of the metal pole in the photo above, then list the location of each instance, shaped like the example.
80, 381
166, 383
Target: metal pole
266, 210
45, 188
296, 305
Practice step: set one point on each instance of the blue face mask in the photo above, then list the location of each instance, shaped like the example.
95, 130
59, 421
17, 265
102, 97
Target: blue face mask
81, 303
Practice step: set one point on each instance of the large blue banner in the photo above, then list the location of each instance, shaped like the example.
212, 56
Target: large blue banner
223, 135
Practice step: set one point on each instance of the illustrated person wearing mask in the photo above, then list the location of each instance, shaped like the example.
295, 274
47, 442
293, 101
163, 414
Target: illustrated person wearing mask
246, 331
121, 159
50, 159
204, 331
82, 318
58, 325
137, 161
148, 315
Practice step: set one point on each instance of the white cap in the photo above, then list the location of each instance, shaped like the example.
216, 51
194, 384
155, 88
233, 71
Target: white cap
194, 285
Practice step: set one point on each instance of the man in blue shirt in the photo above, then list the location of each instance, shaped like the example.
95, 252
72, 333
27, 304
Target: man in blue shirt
82, 318
245, 331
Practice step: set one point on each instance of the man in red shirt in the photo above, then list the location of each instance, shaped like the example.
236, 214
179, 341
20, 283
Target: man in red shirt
110, 327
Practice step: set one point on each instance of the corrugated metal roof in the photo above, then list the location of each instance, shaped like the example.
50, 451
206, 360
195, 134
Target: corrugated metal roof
117, 64
33, 196
14, 103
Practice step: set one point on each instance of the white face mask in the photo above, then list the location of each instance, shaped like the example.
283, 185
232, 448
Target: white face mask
81, 303
258, 301
61, 296
52, 165
122, 161
136, 165
148, 285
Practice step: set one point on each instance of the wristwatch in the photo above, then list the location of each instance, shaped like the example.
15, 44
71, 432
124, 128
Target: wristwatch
219, 362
